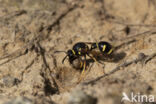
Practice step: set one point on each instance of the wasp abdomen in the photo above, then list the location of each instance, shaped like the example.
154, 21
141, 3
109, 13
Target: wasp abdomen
105, 47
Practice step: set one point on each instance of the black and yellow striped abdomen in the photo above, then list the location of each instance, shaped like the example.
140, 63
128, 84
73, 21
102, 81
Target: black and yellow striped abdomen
105, 47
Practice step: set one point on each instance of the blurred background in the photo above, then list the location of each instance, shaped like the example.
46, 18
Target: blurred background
32, 30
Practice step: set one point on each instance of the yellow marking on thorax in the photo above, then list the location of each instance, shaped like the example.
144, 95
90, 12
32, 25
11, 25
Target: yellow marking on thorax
79, 51
104, 47
73, 51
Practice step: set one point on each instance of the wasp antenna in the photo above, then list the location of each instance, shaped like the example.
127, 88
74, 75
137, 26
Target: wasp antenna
64, 59
60, 51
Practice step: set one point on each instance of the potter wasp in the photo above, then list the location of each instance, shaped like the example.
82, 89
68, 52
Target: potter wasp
82, 49
79, 50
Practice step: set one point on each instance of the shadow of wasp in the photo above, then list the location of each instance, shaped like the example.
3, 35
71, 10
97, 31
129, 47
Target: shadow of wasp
77, 55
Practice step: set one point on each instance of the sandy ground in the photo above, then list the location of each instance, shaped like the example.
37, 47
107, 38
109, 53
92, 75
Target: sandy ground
32, 30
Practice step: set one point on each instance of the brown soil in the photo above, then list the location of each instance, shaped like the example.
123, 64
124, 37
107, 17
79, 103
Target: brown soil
32, 30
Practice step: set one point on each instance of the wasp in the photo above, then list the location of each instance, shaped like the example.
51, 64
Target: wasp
79, 50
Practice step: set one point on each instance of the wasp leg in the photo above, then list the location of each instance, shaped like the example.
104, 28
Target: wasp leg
89, 68
103, 67
98, 62
82, 75
92, 57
